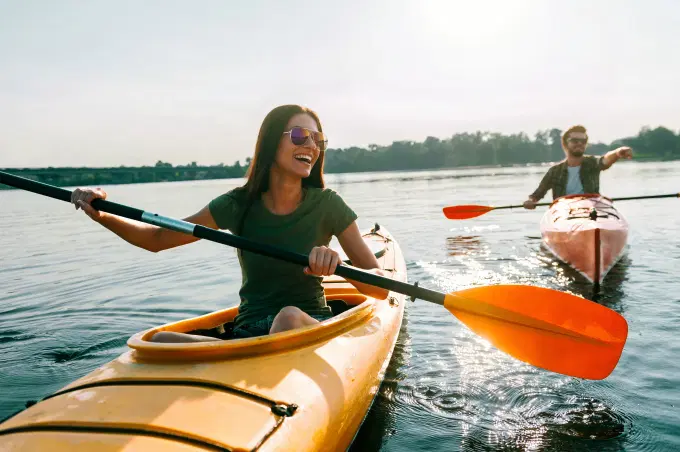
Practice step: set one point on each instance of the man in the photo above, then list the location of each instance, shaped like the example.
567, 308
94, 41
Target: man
578, 173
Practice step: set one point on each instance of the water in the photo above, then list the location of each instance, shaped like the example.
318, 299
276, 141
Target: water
72, 293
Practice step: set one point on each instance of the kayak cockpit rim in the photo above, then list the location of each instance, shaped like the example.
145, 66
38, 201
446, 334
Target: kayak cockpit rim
337, 325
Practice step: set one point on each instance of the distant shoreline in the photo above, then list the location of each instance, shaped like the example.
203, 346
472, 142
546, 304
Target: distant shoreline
90, 176
462, 150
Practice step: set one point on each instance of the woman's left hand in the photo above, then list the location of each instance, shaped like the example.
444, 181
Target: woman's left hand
322, 261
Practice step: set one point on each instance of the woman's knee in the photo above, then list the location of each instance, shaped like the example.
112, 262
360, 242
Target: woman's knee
288, 318
290, 315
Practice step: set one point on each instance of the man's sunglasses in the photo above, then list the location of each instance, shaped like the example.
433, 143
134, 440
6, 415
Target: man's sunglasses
300, 135
578, 140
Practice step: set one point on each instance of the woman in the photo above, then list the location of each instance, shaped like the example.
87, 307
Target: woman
283, 203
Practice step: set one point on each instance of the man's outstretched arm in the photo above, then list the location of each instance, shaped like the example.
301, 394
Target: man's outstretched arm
611, 157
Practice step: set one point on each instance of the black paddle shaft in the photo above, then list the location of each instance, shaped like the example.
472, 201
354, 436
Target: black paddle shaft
224, 238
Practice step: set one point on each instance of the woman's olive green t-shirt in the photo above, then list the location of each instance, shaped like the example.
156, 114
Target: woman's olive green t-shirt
270, 284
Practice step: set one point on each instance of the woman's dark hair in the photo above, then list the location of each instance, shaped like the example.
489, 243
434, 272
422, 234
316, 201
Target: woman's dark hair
271, 133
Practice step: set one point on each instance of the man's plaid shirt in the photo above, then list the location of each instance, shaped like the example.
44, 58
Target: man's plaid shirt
557, 175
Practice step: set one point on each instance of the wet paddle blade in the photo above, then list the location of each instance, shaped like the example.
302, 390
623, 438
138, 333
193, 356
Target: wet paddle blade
466, 211
546, 328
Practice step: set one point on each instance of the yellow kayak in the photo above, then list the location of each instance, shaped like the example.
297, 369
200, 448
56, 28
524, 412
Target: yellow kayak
300, 390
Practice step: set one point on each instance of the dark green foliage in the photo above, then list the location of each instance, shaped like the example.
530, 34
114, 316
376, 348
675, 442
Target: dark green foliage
463, 149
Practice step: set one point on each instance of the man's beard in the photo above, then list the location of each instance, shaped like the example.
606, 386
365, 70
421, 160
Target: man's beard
577, 152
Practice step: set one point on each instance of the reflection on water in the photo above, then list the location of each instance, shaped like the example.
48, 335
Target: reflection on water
462, 245
379, 424
609, 293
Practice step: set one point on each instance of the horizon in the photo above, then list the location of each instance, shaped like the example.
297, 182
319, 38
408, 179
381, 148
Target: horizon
244, 163
106, 84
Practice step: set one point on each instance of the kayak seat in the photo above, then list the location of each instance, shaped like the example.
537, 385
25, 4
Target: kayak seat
341, 302
337, 306
224, 331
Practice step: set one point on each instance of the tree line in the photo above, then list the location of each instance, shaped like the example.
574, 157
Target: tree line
460, 150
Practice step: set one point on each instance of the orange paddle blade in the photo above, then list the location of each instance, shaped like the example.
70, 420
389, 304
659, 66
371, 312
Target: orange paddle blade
466, 211
547, 328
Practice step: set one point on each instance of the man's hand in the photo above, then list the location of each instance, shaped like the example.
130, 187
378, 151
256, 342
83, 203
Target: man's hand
530, 204
624, 152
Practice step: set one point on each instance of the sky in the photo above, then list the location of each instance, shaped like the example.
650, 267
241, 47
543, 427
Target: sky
109, 83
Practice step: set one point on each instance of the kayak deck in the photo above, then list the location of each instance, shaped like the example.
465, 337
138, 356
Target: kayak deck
304, 389
587, 233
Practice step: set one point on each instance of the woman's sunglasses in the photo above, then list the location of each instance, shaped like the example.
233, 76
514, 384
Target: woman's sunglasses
300, 135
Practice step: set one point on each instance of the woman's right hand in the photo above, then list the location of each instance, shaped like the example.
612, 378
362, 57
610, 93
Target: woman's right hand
82, 197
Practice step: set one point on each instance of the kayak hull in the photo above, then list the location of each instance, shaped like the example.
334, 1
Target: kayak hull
305, 389
587, 233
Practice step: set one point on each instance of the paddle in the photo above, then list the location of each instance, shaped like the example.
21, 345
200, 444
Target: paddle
464, 212
543, 327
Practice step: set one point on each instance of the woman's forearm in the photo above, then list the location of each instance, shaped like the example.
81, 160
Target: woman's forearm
146, 236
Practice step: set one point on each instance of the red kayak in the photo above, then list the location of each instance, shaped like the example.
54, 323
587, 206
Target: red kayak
586, 232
